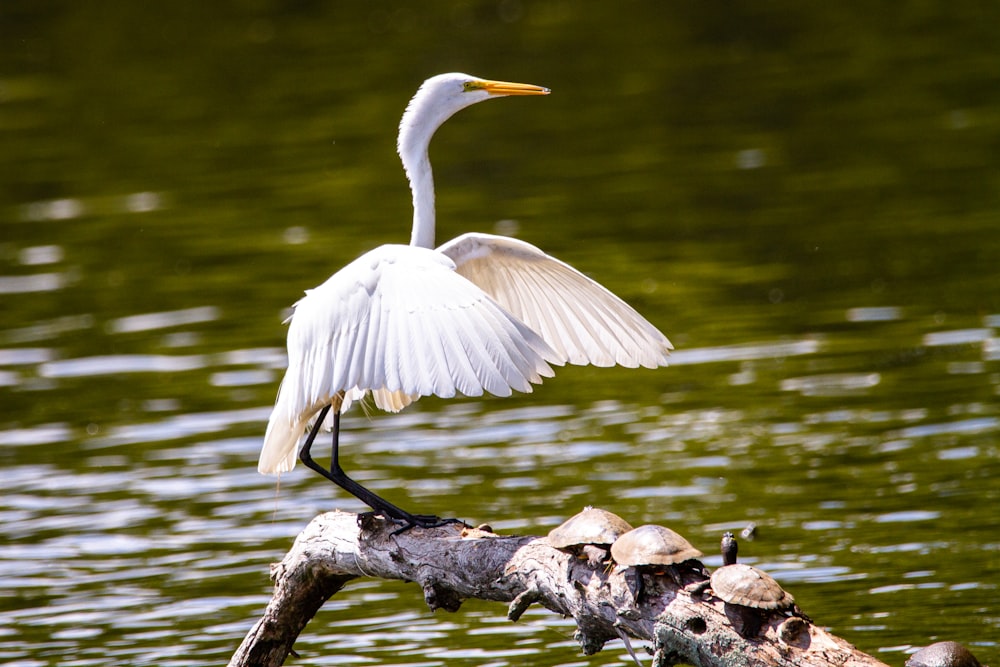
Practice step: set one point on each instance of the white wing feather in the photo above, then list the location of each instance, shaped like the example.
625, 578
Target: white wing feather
398, 322
579, 318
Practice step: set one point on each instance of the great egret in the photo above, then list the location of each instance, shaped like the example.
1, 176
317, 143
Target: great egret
481, 313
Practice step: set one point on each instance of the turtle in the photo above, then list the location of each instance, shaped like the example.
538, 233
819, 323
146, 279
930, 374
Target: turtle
589, 534
656, 550
749, 594
943, 654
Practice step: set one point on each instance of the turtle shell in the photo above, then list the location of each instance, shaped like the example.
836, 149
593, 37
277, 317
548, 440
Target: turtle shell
749, 587
591, 526
652, 545
950, 654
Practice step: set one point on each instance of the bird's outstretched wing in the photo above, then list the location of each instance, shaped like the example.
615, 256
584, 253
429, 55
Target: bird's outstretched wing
579, 318
401, 323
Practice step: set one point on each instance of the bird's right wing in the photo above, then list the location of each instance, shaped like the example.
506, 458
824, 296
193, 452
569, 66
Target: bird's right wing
401, 323
581, 319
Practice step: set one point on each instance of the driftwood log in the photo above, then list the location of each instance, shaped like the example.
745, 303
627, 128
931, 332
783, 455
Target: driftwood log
454, 563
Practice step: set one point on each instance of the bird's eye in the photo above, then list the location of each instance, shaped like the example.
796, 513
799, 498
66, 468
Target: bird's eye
470, 86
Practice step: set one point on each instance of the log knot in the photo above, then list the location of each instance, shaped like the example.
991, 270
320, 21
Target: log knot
438, 596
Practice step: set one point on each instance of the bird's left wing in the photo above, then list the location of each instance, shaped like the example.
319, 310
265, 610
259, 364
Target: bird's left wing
401, 323
579, 318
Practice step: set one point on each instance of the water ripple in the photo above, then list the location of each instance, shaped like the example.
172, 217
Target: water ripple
179, 426
120, 363
745, 352
36, 282
163, 320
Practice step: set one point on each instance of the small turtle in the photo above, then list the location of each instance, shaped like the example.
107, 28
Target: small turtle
589, 534
750, 594
655, 550
943, 654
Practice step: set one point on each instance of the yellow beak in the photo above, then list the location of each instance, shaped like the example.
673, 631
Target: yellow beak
508, 88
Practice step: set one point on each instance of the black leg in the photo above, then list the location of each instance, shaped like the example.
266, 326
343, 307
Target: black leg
337, 475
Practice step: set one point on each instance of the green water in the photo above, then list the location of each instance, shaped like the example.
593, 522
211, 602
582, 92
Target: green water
805, 199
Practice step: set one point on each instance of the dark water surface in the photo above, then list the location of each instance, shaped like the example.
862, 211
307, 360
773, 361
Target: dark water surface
806, 200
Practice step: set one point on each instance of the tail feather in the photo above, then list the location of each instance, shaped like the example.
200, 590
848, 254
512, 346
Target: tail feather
281, 441
285, 429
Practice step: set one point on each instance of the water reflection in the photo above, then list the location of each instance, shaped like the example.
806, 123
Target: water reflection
45, 329
38, 282
874, 314
831, 384
745, 352
150, 321
118, 364
68, 209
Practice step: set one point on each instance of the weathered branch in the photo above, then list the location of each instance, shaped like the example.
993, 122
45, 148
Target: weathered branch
452, 564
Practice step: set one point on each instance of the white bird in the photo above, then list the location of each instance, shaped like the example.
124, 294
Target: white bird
481, 313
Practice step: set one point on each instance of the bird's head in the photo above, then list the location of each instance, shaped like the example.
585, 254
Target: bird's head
441, 96
454, 91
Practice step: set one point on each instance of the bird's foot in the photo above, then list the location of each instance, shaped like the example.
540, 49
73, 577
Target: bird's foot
424, 521
410, 521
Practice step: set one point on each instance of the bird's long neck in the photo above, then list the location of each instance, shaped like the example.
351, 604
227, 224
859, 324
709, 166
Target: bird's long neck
418, 125
422, 186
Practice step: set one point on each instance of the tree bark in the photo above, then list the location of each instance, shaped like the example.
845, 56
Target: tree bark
453, 563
